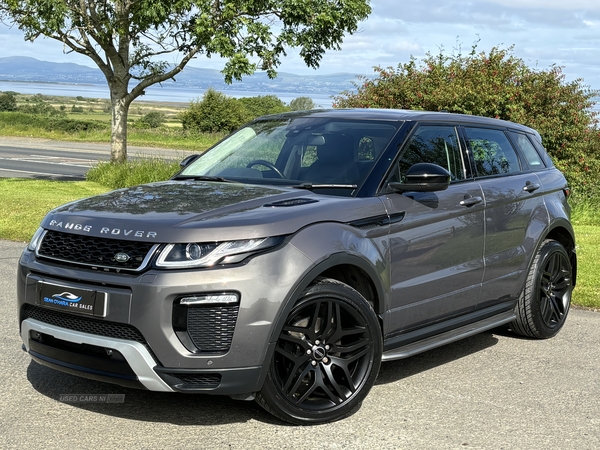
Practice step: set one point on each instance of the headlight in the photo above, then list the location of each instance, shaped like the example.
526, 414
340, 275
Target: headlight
178, 256
35, 240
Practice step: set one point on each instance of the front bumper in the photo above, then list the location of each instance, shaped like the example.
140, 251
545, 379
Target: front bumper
133, 341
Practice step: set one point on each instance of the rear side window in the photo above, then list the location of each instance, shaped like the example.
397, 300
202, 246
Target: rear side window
527, 150
492, 152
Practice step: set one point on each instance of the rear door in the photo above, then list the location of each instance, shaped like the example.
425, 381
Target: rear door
436, 239
514, 213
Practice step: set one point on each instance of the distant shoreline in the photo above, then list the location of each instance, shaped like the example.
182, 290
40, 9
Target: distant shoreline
156, 93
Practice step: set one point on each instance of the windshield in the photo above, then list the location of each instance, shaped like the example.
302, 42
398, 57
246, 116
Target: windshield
306, 151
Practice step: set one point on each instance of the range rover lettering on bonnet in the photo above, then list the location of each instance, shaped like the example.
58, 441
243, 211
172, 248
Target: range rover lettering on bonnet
103, 230
125, 232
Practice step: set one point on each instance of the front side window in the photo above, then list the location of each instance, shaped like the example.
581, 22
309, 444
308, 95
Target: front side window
492, 152
436, 144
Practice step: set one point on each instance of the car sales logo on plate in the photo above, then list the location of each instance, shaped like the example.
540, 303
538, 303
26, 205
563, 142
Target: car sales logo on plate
63, 299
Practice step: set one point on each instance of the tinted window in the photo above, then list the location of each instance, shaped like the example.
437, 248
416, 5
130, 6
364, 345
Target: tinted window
492, 152
437, 144
528, 150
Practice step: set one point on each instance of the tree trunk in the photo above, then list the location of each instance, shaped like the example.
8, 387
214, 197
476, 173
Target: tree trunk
118, 136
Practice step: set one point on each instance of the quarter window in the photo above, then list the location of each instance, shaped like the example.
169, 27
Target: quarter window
528, 150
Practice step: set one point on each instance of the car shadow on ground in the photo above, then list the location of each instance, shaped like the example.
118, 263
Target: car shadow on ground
209, 410
397, 370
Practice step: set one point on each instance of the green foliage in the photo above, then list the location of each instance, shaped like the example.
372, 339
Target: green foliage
132, 172
37, 104
215, 112
497, 84
262, 106
218, 113
302, 104
153, 119
8, 101
49, 123
77, 109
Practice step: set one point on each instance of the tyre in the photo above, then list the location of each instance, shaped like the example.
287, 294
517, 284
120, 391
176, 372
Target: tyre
327, 356
544, 303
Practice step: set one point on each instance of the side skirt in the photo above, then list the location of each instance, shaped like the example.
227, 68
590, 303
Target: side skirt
449, 336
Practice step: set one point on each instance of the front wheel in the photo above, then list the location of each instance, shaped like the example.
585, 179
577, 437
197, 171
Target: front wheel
544, 303
327, 356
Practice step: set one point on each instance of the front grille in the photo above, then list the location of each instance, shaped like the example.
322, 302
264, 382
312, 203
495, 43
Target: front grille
211, 327
94, 251
86, 325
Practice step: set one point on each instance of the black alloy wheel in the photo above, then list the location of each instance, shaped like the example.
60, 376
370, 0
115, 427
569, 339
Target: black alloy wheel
327, 356
545, 301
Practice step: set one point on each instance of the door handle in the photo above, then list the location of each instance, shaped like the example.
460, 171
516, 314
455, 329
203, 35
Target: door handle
530, 187
470, 201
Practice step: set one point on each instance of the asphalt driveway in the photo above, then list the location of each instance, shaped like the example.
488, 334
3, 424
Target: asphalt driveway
491, 391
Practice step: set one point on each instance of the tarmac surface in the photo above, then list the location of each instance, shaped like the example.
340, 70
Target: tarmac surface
491, 391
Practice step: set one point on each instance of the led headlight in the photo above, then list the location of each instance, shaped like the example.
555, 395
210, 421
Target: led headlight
178, 256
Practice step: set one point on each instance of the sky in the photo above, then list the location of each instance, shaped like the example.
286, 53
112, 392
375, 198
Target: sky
543, 32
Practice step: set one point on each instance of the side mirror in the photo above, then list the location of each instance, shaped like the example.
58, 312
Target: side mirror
423, 177
188, 160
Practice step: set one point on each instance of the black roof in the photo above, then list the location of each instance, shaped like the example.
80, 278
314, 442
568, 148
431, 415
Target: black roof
407, 115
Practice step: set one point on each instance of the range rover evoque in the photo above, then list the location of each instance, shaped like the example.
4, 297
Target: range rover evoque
289, 260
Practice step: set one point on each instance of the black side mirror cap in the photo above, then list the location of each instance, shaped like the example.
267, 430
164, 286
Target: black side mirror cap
423, 177
188, 160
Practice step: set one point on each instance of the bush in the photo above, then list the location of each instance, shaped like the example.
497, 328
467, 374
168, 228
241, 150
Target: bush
497, 84
215, 113
132, 173
262, 105
302, 104
151, 120
8, 101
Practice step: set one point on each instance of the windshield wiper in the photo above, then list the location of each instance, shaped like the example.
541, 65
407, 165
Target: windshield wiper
311, 186
202, 178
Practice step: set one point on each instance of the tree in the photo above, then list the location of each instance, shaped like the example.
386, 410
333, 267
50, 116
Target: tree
127, 38
495, 84
302, 103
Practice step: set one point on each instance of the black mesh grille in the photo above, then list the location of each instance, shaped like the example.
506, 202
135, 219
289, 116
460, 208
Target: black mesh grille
211, 328
86, 325
198, 380
94, 251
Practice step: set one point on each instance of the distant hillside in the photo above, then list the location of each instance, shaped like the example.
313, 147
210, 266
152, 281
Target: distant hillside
20, 68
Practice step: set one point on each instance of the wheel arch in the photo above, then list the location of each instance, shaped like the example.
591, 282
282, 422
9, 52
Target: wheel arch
347, 268
562, 232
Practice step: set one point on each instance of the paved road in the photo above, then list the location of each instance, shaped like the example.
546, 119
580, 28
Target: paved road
492, 391
58, 160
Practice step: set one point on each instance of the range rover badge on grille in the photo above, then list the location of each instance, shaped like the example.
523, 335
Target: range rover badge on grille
122, 257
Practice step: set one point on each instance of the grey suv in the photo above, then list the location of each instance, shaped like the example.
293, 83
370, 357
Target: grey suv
293, 257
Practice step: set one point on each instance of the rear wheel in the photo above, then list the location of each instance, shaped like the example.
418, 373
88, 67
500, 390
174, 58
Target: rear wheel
544, 303
326, 358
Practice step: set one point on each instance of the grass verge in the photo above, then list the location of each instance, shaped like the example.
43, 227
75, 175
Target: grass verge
91, 130
25, 202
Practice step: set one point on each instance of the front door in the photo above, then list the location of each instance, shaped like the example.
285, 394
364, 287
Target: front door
436, 249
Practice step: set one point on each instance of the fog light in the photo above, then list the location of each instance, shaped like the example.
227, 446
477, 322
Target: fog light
210, 299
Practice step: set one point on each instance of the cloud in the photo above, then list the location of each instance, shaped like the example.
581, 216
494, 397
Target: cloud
543, 32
